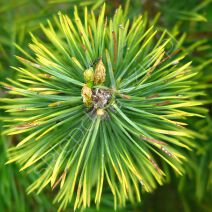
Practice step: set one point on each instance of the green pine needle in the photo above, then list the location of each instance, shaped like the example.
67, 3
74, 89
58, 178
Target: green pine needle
117, 142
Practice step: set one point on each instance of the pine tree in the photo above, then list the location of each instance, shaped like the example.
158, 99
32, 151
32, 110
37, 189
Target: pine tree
101, 105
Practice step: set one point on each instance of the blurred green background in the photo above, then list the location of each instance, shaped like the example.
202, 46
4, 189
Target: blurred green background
188, 20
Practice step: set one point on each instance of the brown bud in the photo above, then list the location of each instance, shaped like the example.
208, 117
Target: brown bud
86, 95
100, 73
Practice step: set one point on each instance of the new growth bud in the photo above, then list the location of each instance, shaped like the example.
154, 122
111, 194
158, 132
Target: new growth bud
89, 75
100, 73
100, 112
86, 95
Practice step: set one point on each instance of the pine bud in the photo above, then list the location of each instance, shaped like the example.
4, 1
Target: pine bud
100, 74
86, 95
100, 112
89, 75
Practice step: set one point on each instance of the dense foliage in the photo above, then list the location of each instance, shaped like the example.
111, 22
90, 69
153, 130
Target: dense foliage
105, 105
